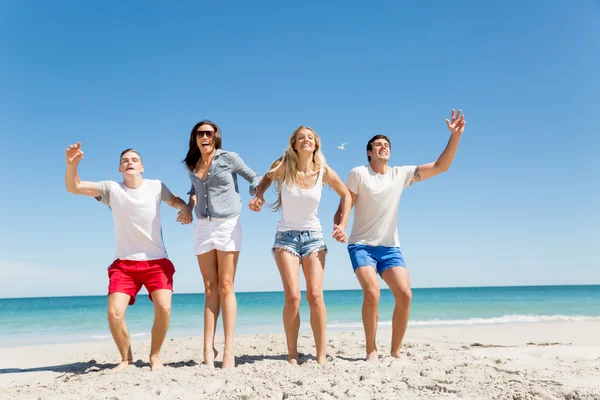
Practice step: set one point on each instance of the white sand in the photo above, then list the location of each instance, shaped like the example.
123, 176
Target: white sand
564, 363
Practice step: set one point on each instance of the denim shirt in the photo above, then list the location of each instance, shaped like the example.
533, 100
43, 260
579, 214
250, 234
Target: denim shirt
218, 196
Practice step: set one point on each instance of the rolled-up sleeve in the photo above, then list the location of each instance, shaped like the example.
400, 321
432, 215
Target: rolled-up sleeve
240, 168
192, 190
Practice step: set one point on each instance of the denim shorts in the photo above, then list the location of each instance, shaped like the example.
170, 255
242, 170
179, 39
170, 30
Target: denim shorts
300, 243
379, 257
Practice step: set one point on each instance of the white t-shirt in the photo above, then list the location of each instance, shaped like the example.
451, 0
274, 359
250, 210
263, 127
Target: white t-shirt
300, 207
377, 201
136, 213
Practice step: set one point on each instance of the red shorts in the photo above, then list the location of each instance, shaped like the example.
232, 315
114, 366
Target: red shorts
127, 276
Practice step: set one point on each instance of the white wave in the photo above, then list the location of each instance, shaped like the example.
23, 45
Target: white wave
141, 334
101, 337
505, 319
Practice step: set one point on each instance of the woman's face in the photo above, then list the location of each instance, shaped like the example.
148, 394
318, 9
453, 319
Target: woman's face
205, 138
305, 141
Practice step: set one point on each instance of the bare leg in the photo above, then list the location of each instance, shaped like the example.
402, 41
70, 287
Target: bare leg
398, 280
162, 315
289, 269
209, 270
314, 269
117, 305
227, 264
367, 276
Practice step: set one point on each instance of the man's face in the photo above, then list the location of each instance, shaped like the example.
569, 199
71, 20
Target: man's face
131, 164
380, 150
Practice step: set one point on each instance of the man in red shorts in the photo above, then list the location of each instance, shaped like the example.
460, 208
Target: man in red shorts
141, 257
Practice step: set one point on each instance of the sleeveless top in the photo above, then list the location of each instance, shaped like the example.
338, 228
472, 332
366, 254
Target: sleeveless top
300, 207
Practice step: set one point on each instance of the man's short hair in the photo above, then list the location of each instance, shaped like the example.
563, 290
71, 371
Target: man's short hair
374, 138
127, 151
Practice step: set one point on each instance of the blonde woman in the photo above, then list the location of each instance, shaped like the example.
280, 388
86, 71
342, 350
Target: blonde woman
300, 175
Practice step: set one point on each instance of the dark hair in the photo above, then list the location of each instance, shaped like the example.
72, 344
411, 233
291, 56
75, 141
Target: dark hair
127, 151
193, 155
374, 138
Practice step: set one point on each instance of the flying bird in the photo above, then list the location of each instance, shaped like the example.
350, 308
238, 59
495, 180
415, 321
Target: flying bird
342, 146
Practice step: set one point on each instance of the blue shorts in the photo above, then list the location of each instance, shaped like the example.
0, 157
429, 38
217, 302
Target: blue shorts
300, 243
379, 257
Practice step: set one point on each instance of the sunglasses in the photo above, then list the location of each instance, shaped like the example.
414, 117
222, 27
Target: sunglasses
209, 134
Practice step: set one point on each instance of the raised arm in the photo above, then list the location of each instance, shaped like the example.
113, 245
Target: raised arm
343, 213
74, 185
456, 127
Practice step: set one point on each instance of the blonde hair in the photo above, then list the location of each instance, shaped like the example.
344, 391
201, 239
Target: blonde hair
290, 160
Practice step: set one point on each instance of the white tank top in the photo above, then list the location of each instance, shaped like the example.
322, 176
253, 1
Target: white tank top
300, 207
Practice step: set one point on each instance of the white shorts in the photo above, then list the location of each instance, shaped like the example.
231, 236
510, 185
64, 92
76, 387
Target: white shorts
223, 234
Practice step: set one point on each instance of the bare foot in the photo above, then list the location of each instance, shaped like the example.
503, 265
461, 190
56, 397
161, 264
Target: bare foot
228, 358
293, 361
122, 365
321, 359
372, 357
155, 363
208, 360
395, 354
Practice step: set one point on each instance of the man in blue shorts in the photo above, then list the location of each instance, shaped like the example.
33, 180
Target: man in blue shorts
373, 245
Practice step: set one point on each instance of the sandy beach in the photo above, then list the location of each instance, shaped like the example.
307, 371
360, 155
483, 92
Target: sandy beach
517, 361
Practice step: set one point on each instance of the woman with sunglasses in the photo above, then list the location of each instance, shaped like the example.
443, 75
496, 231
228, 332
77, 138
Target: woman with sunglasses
300, 175
216, 202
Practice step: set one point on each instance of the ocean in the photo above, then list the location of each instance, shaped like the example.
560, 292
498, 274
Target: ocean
31, 321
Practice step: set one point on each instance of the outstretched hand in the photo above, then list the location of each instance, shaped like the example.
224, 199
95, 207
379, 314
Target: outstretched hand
74, 154
256, 203
457, 123
339, 233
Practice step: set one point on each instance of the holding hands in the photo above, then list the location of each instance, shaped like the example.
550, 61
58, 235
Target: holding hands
185, 215
339, 233
256, 203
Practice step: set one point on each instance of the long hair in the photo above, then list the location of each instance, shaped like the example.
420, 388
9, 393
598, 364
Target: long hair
290, 159
193, 155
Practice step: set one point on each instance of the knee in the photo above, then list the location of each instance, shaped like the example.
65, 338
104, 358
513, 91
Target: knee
372, 296
211, 289
225, 288
314, 298
404, 295
115, 314
292, 301
162, 310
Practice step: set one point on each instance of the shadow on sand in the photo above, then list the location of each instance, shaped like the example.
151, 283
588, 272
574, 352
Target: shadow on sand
83, 368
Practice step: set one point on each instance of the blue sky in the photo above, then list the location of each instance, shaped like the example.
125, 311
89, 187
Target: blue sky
518, 206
